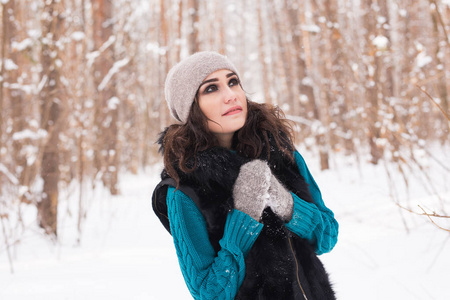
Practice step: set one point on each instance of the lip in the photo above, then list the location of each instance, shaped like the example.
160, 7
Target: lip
234, 110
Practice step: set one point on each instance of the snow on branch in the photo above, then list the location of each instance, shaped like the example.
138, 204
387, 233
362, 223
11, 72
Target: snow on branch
24, 44
28, 134
114, 69
8, 174
108, 43
94, 54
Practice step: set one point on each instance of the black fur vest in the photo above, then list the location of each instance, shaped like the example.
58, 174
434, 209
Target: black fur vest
280, 264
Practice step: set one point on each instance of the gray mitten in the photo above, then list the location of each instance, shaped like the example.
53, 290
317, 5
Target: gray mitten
280, 201
251, 189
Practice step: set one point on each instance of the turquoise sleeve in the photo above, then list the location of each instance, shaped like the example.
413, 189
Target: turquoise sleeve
209, 275
313, 221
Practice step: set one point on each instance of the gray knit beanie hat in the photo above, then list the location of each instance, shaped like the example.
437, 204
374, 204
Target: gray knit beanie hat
184, 79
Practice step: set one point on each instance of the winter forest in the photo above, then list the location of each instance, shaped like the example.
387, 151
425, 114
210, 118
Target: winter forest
366, 84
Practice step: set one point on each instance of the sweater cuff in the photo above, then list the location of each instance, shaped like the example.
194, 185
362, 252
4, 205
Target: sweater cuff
305, 218
241, 232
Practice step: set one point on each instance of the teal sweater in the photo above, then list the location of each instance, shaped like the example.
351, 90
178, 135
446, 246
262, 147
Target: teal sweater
218, 276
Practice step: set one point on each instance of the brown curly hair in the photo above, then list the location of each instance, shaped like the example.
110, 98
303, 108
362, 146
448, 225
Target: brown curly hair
181, 142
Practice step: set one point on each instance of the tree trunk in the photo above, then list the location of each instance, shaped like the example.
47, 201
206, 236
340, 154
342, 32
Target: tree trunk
51, 97
282, 46
387, 72
336, 62
15, 95
107, 103
372, 62
305, 88
193, 41
442, 83
262, 55
321, 105
2, 74
179, 30
222, 46
163, 61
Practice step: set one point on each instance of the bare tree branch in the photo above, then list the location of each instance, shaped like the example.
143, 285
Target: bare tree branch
429, 215
431, 98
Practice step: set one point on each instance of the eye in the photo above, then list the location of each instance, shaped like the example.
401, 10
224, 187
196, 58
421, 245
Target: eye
210, 88
233, 82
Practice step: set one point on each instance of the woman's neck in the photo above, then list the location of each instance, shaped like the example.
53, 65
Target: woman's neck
225, 140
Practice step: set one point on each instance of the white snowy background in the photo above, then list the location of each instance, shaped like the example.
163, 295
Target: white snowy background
383, 252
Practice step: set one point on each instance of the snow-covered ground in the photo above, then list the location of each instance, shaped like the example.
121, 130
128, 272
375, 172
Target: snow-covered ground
383, 252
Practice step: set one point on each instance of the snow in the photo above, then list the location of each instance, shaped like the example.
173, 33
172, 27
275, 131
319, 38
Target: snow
91, 57
311, 28
108, 43
383, 251
381, 20
113, 70
20, 46
10, 65
423, 59
42, 83
28, 134
78, 36
307, 81
4, 170
381, 42
113, 103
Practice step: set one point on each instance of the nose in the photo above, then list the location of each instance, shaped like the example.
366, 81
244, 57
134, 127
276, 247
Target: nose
229, 95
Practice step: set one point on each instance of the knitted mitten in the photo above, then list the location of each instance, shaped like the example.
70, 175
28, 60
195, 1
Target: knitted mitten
280, 200
250, 191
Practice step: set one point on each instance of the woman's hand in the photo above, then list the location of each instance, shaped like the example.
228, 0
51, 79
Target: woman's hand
280, 200
251, 189
257, 188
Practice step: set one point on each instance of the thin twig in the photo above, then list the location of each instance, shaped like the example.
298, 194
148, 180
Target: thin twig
436, 7
441, 164
428, 178
423, 214
431, 98
8, 252
428, 215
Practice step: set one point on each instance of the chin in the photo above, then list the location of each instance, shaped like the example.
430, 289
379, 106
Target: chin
237, 127
227, 127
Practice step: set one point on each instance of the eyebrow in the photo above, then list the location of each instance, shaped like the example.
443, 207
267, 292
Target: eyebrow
215, 79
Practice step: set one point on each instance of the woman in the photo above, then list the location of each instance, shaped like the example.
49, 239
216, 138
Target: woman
246, 216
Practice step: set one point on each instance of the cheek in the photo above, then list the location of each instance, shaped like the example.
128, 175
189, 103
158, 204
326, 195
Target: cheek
215, 127
244, 104
210, 105
209, 110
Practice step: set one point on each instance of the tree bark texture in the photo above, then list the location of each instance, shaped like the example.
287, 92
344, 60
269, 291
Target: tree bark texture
107, 102
51, 97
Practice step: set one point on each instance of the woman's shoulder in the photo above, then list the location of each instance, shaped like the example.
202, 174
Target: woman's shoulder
299, 158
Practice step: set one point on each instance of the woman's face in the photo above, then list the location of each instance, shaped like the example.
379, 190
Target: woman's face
222, 100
